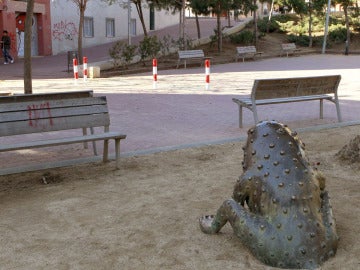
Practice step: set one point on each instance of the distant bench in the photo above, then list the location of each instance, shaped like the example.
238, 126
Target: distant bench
246, 52
42, 113
197, 55
288, 48
273, 91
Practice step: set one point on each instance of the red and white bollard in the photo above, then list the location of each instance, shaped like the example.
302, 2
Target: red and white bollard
207, 74
76, 69
154, 73
85, 68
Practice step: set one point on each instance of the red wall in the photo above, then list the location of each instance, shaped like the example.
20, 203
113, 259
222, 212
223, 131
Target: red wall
8, 12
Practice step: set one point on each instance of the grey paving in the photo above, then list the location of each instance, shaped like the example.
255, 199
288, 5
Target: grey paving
180, 112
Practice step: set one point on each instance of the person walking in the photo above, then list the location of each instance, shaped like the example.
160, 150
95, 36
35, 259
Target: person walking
5, 46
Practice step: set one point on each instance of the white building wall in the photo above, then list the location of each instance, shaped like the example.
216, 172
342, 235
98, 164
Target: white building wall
65, 23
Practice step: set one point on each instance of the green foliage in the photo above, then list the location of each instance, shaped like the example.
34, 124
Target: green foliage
183, 43
149, 47
122, 53
337, 33
166, 44
299, 40
245, 37
263, 25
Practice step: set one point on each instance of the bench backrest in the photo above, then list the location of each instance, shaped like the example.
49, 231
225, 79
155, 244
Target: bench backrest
246, 49
53, 114
293, 87
45, 96
191, 54
288, 46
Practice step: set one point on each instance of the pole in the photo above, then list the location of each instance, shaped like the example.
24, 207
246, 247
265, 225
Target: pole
154, 73
76, 69
85, 68
129, 21
326, 26
207, 74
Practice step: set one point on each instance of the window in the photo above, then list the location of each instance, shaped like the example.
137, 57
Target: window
88, 27
133, 27
110, 27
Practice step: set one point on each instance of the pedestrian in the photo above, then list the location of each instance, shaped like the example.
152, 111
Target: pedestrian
5, 46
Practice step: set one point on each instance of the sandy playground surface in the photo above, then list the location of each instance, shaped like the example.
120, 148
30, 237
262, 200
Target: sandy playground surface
145, 216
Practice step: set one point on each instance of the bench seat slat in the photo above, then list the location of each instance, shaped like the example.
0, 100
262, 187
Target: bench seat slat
61, 141
248, 101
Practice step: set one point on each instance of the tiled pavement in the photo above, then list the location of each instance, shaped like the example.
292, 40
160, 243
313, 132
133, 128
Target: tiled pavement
181, 113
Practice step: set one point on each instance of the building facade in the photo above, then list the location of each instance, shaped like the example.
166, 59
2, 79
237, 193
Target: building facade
56, 22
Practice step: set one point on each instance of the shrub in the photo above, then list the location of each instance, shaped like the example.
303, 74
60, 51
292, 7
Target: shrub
122, 53
149, 47
263, 25
245, 37
337, 33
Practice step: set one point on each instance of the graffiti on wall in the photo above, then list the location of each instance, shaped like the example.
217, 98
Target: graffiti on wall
64, 30
13, 40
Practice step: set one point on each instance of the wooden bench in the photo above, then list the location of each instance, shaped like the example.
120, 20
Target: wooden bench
288, 48
197, 55
273, 91
27, 114
246, 52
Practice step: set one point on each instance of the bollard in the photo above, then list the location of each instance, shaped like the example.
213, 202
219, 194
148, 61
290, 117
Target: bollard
85, 69
207, 74
76, 69
154, 73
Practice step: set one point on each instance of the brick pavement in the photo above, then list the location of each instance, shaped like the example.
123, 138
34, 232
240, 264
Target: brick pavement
181, 113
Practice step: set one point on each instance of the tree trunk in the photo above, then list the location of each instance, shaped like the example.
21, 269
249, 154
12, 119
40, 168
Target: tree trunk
218, 23
270, 16
27, 47
82, 7
255, 25
197, 25
141, 16
347, 44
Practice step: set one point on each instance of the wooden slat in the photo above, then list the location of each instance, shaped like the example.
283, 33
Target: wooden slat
45, 96
24, 106
55, 142
50, 114
54, 124
291, 87
191, 54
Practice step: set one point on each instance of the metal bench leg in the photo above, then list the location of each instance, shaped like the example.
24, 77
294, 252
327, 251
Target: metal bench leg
117, 153
240, 116
94, 142
338, 110
255, 114
84, 134
321, 109
106, 151
184, 63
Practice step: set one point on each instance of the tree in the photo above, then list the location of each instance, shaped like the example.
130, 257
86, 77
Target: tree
81, 5
27, 47
199, 7
345, 4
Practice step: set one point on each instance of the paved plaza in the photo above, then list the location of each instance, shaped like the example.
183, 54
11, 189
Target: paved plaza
180, 112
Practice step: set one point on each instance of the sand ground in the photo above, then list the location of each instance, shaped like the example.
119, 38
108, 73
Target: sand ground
145, 215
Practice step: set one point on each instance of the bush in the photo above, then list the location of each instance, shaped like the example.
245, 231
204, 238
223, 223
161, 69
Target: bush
122, 53
245, 37
149, 47
337, 33
263, 25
